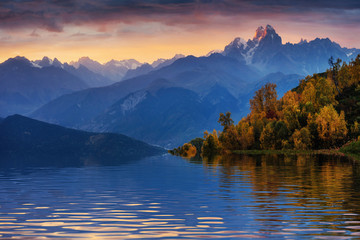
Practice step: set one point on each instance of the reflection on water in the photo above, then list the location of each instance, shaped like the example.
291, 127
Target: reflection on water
272, 196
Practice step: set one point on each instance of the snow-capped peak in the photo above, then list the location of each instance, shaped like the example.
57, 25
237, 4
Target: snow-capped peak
239, 43
35, 65
213, 51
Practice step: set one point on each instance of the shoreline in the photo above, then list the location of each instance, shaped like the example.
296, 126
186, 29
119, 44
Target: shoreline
337, 152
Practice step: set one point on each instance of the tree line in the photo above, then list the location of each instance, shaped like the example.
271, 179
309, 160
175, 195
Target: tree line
323, 111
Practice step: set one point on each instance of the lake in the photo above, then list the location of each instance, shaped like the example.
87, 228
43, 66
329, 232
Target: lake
263, 196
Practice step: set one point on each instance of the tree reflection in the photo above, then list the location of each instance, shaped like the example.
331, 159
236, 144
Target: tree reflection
303, 182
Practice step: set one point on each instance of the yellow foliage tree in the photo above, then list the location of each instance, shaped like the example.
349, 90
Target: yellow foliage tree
318, 92
330, 125
290, 110
189, 150
246, 134
302, 139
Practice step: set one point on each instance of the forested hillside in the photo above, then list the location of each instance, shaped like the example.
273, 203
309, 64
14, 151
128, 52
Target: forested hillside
321, 113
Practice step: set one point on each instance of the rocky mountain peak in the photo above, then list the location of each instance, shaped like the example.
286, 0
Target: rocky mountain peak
260, 33
266, 33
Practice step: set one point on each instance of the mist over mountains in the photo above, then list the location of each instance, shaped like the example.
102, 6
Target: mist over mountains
172, 101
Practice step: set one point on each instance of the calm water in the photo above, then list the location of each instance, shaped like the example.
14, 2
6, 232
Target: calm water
278, 197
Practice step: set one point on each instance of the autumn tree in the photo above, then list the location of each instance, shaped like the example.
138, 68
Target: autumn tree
189, 150
225, 120
267, 138
264, 103
302, 139
258, 123
211, 145
318, 92
230, 140
331, 126
290, 110
197, 143
273, 135
246, 134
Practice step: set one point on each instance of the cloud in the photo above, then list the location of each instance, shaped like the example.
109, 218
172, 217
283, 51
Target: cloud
83, 36
55, 15
34, 34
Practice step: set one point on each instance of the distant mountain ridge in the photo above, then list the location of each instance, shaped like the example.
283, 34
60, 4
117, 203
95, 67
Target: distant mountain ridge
28, 142
88, 76
25, 87
124, 69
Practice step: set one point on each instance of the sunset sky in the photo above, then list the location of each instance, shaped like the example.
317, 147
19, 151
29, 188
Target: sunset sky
148, 30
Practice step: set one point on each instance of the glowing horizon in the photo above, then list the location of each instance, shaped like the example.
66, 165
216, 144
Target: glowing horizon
149, 30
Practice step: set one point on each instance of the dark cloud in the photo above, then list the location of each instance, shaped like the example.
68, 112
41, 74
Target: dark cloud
53, 15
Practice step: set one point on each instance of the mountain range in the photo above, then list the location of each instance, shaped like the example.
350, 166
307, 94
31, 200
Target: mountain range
24, 87
171, 102
268, 55
119, 70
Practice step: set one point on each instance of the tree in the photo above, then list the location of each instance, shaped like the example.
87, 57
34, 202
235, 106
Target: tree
265, 102
211, 145
225, 120
318, 92
246, 134
197, 143
230, 140
291, 110
267, 137
302, 139
273, 135
334, 69
331, 126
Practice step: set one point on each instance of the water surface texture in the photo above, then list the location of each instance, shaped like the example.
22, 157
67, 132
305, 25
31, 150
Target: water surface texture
272, 196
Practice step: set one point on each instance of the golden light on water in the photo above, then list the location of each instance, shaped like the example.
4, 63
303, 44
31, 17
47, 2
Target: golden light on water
107, 223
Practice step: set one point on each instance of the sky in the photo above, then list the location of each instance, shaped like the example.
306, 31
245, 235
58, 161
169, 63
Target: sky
148, 30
